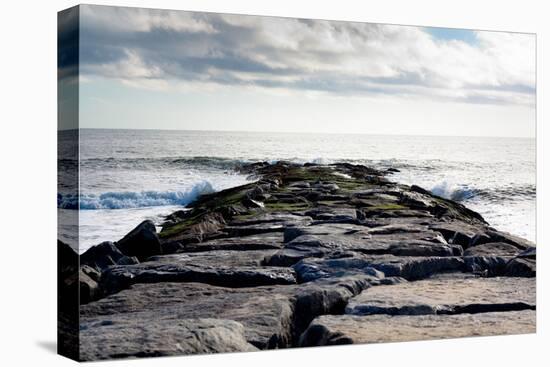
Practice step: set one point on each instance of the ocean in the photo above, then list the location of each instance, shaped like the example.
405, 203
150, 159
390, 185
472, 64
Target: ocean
127, 176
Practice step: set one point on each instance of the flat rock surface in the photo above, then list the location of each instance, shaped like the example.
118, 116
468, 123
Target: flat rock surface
271, 315
265, 312
493, 249
350, 329
447, 295
130, 337
224, 268
408, 267
262, 241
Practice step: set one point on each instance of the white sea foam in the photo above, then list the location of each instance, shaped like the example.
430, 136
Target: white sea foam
453, 191
127, 200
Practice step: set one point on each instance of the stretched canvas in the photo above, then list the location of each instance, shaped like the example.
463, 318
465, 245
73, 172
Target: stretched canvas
237, 183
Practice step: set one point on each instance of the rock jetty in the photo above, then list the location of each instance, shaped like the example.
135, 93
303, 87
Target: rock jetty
305, 255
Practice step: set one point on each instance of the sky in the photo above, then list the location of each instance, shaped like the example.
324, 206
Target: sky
160, 69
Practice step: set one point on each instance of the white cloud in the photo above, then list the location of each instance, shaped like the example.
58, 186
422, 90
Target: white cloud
160, 48
122, 19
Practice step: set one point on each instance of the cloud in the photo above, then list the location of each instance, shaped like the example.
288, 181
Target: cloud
172, 49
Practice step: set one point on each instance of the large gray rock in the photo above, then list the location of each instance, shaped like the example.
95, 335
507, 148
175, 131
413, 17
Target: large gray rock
457, 232
313, 269
101, 256
413, 268
223, 268
351, 329
410, 268
272, 316
272, 218
492, 235
88, 279
424, 248
493, 249
261, 241
323, 240
254, 229
326, 296
142, 242
126, 337
214, 258
446, 296
486, 265
521, 267
290, 233
306, 246
333, 214
265, 312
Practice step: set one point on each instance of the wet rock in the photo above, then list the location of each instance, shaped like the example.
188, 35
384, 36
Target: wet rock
446, 296
350, 329
333, 215
521, 267
251, 203
424, 248
496, 236
300, 185
141, 242
291, 233
242, 231
325, 186
88, 279
492, 249
486, 265
101, 256
171, 247
446, 210
127, 260
331, 197
199, 226
398, 228
413, 268
455, 232
530, 253
272, 218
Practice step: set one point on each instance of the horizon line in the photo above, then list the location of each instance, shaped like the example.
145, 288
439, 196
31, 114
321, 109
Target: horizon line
306, 132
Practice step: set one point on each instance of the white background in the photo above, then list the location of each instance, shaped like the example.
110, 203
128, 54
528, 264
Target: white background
28, 182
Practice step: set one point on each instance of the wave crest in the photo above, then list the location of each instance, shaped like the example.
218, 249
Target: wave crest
453, 192
498, 194
128, 199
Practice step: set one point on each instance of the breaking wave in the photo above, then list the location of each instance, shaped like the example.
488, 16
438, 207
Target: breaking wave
127, 200
456, 192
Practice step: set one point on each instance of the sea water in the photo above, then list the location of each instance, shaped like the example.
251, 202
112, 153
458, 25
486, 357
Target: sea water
127, 176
